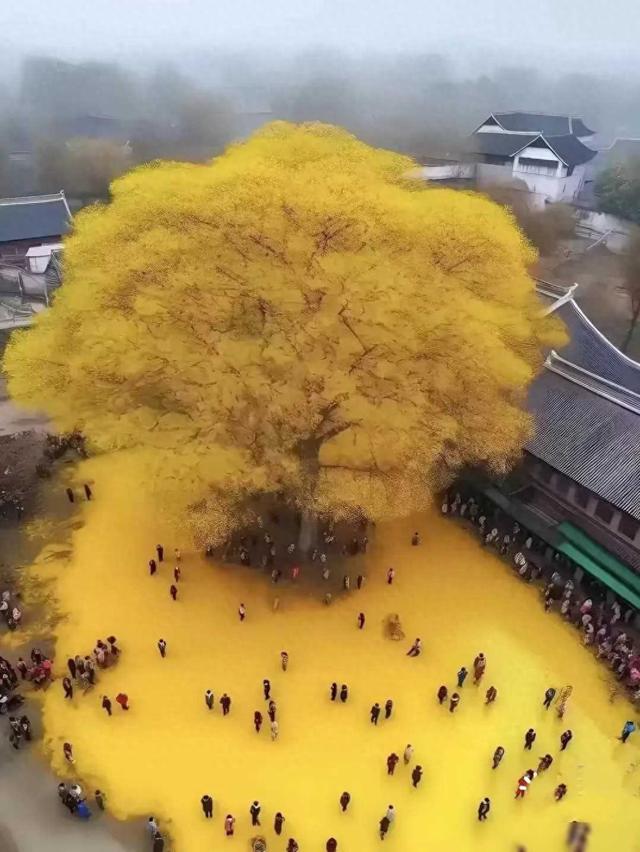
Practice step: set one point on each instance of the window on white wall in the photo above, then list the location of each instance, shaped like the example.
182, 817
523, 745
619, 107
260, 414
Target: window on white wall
537, 167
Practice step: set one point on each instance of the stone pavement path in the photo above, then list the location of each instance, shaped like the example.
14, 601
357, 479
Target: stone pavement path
33, 820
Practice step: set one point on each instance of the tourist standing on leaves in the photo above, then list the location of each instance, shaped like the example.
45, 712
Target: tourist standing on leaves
392, 762
544, 763
158, 842
332, 845
529, 739
416, 649
100, 799
275, 729
67, 751
375, 713
152, 567
497, 757
68, 687
173, 591
271, 711
361, 620
453, 703
442, 694
479, 666
229, 823
106, 705
266, 688
70, 495
162, 647
333, 691
628, 728
257, 721
483, 809
225, 702
292, 846
278, 822
560, 792
549, 695
462, 675
565, 739
160, 552
344, 693
242, 612
254, 810
524, 783
407, 754
152, 826
284, 660
415, 539
388, 708
207, 806
360, 581
416, 775
384, 826
492, 694
208, 699
345, 798
177, 573
123, 700
391, 573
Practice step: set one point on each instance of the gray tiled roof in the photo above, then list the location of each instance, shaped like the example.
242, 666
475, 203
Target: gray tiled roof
588, 348
34, 217
586, 405
570, 149
502, 144
589, 438
549, 125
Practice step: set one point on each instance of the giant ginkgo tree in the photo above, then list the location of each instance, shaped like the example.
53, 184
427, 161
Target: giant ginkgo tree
297, 316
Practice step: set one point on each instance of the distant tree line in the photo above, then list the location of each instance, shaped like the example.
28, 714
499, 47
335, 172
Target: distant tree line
416, 103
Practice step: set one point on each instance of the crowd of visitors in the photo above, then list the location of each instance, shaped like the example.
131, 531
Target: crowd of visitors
11, 612
604, 626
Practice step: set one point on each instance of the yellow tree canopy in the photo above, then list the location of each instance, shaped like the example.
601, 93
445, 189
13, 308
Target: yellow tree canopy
294, 316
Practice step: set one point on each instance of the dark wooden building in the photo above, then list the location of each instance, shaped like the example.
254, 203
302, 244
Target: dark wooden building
578, 485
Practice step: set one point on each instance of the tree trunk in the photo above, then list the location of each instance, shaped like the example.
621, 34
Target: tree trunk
309, 454
308, 532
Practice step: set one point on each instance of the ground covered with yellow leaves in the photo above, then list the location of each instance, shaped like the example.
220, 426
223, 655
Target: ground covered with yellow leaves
168, 750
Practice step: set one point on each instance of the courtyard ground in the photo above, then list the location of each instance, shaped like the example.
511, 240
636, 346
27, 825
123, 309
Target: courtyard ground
161, 756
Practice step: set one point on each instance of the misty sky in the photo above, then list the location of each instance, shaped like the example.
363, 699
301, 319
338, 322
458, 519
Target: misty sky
577, 28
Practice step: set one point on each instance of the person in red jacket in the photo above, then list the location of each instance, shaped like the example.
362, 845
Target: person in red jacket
524, 783
123, 700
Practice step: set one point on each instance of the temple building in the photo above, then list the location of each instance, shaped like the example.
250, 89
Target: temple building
544, 156
578, 486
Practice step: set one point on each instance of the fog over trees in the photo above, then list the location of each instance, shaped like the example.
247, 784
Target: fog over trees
54, 110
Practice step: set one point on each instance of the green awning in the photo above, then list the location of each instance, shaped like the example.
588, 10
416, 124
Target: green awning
598, 554
602, 574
